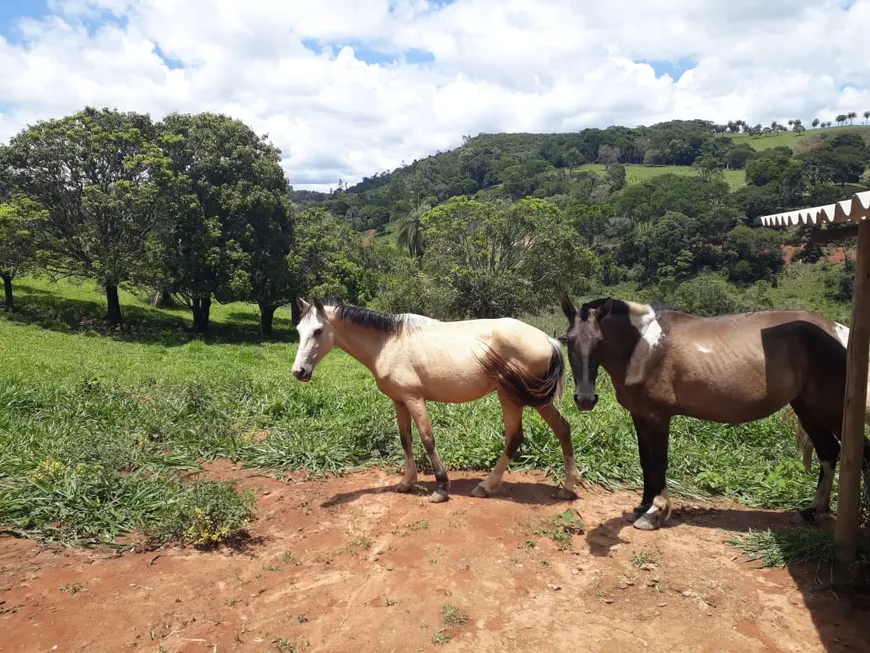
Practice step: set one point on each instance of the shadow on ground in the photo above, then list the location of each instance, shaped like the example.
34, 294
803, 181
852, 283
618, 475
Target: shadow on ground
42, 308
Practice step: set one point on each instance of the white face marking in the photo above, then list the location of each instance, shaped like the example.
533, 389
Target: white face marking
315, 341
644, 320
842, 333
703, 349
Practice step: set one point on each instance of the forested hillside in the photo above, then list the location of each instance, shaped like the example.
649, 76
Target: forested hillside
196, 209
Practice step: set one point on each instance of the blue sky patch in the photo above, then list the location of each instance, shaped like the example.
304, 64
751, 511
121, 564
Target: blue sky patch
370, 53
673, 68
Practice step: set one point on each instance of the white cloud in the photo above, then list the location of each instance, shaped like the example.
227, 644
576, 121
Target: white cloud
496, 65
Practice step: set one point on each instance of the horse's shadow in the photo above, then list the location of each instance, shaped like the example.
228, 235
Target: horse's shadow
541, 494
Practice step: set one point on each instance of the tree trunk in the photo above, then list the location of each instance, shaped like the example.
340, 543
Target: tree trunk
267, 315
294, 311
113, 312
7, 286
201, 308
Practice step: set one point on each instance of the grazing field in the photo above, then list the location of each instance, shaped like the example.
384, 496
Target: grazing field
95, 429
635, 174
791, 139
149, 438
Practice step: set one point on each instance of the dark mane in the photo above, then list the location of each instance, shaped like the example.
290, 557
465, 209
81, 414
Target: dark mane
620, 307
365, 317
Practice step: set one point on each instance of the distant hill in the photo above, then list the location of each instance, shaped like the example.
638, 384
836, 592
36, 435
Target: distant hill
568, 168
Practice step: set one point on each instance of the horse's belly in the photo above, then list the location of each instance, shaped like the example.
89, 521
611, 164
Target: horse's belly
732, 400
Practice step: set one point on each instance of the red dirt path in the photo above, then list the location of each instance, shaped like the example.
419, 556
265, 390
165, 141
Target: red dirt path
519, 591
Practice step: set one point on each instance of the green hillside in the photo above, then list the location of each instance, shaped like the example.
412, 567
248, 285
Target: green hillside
792, 139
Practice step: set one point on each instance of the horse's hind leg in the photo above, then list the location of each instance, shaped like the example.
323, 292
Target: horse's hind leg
512, 416
417, 409
404, 419
562, 430
828, 450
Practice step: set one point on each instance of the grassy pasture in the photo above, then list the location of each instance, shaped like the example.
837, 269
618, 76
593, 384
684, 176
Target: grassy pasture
98, 430
636, 174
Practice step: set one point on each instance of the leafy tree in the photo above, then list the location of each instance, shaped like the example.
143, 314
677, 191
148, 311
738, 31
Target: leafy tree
815, 122
501, 259
841, 118
738, 157
851, 116
755, 253
330, 259
18, 219
866, 116
100, 178
616, 176
230, 231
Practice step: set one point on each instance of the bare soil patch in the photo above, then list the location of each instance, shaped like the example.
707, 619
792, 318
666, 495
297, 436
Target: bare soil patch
346, 564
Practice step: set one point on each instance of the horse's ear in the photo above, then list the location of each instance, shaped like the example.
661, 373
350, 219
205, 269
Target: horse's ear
302, 304
604, 310
568, 308
318, 305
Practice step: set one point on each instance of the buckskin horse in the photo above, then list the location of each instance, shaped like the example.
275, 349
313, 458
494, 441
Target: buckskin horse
730, 369
416, 359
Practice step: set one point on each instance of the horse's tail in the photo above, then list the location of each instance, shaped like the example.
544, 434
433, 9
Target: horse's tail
525, 389
804, 445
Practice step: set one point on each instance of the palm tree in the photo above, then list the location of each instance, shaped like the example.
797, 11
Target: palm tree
866, 116
851, 116
815, 122
410, 234
841, 118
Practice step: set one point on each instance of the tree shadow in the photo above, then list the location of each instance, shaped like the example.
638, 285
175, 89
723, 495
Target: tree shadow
541, 494
142, 324
839, 619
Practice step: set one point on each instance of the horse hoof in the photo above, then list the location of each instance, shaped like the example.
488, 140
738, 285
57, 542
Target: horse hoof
633, 516
647, 522
480, 491
438, 497
404, 489
566, 494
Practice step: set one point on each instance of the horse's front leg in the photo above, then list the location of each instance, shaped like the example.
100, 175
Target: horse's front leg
643, 452
404, 419
512, 416
417, 409
562, 429
655, 434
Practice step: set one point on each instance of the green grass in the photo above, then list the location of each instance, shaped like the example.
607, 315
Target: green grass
636, 174
98, 432
791, 547
791, 139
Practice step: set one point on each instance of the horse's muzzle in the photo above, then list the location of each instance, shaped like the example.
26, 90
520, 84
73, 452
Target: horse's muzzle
302, 375
586, 402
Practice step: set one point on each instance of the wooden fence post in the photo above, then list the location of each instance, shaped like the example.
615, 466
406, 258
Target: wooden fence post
849, 496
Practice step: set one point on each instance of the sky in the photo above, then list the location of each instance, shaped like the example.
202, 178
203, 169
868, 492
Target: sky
349, 88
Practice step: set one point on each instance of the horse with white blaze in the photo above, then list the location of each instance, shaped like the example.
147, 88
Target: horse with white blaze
416, 359
729, 369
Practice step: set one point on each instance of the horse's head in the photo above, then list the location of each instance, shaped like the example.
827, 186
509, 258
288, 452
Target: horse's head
585, 342
316, 338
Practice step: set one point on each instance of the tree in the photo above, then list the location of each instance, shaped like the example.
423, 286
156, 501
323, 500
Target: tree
616, 176
99, 176
841, 118
500, 259
866, 116
330, 259
851, 116
755, 253
18, 218
410, 233
815, 122
229, 233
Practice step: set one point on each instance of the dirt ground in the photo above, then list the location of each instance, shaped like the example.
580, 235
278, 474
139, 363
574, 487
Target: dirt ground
345, 564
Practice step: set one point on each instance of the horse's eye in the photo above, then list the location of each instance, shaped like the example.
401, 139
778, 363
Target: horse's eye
317, 332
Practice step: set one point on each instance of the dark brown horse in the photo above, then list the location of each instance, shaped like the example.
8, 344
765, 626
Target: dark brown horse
730, 369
